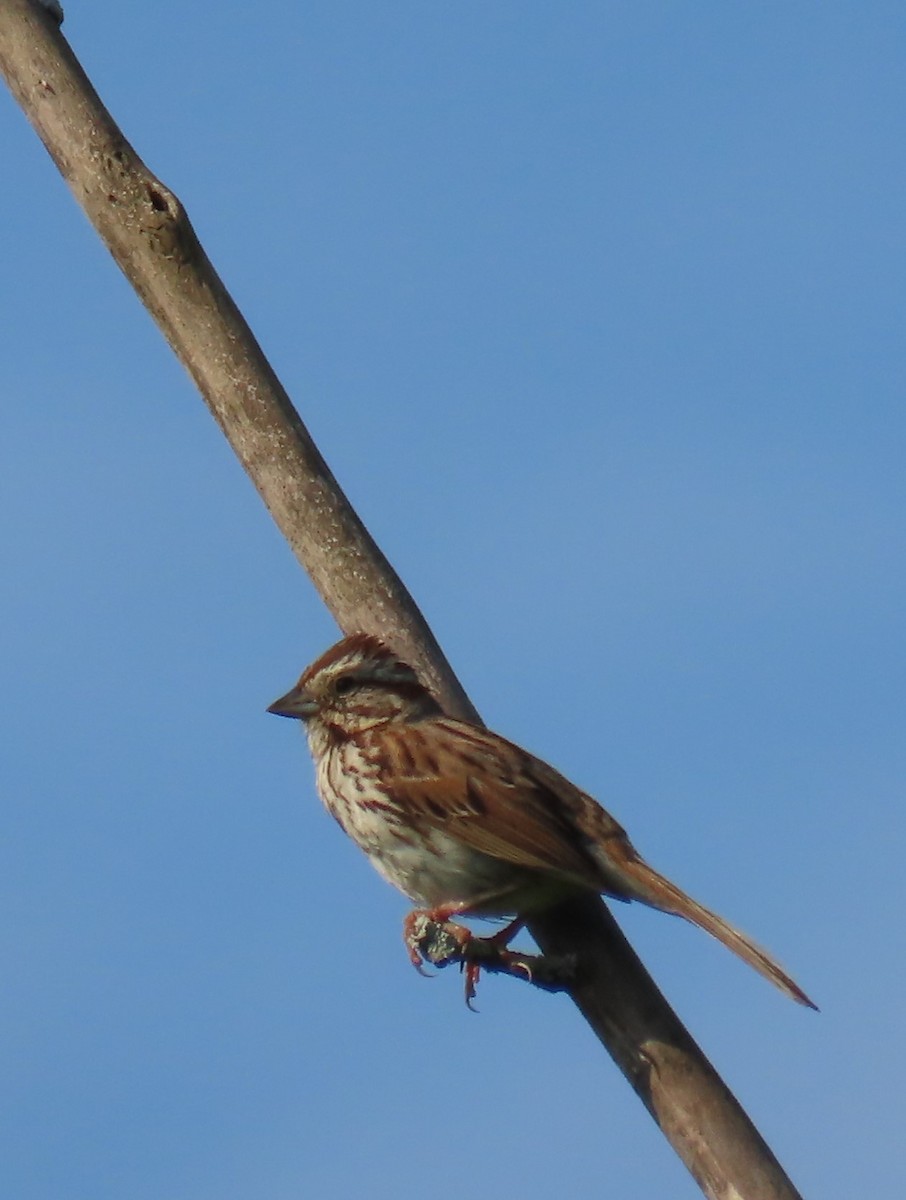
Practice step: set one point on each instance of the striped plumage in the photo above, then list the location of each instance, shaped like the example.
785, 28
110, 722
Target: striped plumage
459, 819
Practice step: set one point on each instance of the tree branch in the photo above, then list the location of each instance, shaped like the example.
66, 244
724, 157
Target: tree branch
148, 233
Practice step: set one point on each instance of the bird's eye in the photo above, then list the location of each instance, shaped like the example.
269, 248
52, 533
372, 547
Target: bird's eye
344, 685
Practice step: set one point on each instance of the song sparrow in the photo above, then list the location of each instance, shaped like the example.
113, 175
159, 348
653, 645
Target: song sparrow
461, 820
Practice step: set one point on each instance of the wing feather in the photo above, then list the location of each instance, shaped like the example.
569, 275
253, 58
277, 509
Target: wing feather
493, 796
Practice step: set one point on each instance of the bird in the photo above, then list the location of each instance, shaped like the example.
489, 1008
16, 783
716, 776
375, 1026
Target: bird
462, 821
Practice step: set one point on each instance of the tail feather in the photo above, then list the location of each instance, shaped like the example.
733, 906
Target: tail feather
657, 892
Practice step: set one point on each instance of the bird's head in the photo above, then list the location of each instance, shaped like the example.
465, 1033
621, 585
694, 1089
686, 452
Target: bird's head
353, 686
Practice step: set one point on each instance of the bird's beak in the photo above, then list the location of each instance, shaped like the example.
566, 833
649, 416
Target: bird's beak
296, 703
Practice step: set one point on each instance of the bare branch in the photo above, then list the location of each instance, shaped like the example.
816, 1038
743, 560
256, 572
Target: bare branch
148, 233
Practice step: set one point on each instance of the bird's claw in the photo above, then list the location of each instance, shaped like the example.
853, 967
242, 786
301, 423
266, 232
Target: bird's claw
430, 936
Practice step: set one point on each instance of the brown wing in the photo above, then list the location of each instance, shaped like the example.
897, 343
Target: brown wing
494, 797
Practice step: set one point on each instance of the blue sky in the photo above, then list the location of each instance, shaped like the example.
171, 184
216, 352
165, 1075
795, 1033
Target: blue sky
596, 310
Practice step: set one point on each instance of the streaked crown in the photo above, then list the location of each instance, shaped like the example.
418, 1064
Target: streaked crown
356, 684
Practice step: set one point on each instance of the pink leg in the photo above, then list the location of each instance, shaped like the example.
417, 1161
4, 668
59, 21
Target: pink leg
413, 928
500, 939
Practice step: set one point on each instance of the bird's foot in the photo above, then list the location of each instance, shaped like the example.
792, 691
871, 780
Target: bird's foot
431, 936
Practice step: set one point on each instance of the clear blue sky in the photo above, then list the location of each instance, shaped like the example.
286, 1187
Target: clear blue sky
597, 311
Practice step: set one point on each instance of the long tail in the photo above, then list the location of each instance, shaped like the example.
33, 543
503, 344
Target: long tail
646, 885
